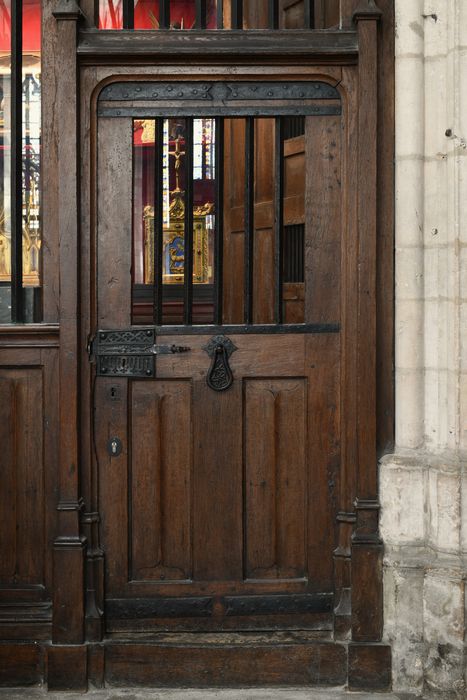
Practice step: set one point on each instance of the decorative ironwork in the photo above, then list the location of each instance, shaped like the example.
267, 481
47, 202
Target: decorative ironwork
205, 99
129, 353
220, 377
219, 91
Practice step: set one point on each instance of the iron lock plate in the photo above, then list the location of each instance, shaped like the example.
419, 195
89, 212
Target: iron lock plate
129, 352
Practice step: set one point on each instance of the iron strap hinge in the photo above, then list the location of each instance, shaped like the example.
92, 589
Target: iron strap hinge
128, 353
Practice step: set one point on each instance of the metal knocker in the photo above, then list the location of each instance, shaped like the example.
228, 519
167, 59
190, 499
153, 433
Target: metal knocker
219, 349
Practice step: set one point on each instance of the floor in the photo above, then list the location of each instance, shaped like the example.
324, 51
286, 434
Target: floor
131, 694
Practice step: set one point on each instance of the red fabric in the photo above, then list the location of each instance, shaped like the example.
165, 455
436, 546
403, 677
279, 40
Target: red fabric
147, 14
31, 26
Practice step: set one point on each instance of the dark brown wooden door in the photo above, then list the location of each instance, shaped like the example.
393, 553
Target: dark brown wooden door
217, 507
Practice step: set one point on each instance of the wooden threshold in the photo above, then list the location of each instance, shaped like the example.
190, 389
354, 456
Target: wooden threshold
266, 661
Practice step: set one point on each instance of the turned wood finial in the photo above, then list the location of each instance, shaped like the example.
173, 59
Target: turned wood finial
367, 9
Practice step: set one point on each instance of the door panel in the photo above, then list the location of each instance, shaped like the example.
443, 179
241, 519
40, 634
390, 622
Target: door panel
217, 509
161, 481
275, 478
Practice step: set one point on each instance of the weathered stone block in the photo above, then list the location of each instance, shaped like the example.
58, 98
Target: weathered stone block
402, 494
445, 500
444, 601
408, 666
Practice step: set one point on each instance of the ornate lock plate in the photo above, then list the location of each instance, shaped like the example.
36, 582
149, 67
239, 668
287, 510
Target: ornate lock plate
129, 353
219, 349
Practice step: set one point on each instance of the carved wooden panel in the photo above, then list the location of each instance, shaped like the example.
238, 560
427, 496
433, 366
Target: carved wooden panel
275, 477
161, 480
28, 461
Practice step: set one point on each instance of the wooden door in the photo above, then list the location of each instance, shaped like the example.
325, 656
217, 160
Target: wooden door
218, 461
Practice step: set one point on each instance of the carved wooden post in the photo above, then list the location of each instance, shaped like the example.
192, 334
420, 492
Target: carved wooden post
67, 656
369, 661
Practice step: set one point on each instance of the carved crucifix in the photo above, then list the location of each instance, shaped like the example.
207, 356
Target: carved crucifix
177, 154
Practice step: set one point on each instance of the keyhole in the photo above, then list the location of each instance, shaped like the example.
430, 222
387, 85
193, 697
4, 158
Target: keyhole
114, 447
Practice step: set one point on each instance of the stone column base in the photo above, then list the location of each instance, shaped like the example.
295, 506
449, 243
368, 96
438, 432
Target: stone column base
425, 572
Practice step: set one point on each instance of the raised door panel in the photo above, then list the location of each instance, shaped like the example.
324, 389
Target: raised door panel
275, 478
161, 481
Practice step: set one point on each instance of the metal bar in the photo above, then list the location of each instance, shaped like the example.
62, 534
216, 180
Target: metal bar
309, 14
237, 14
188, 266
278, 218
16, 191
220, 14
158, 219
249, 217
260, 329
219, 240
200, 17
257, 91
261, 110
128, 14
164, 14
273, 10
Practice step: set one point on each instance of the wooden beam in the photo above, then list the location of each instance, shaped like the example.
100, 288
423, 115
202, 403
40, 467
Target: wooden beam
68, 594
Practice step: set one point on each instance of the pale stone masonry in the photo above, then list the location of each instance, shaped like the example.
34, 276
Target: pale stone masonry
423, 485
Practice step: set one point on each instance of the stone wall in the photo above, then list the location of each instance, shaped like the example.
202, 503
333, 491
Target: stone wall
423, 485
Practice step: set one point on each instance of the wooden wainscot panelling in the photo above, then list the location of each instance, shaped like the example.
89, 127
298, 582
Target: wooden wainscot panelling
67, 668
20, 665
22, 502
28, 410
369, 667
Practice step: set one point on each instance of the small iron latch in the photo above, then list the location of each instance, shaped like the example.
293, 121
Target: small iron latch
129, 353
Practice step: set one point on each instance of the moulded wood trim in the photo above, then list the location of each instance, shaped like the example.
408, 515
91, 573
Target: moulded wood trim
34, 335
330, 46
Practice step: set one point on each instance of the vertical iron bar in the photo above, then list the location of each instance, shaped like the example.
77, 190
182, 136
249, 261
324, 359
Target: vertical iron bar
128, 14
249, 216
219, 211
16, 188
164, 14
188, 266
220, 14
200, 21
158, 220
309, 14
278, 218
273, 9
237, 14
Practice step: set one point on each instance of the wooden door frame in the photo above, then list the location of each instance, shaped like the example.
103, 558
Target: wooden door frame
77, 617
